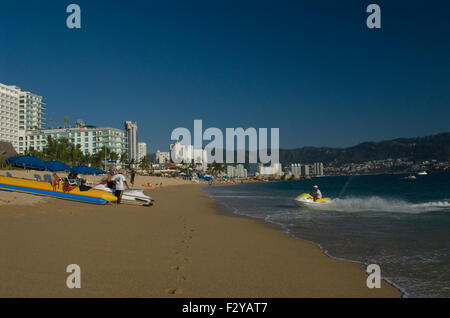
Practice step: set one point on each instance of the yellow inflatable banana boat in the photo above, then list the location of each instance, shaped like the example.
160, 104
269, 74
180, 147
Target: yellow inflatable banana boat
305, 199
55, 190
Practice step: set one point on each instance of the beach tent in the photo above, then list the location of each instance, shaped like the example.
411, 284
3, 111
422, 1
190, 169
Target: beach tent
56, 166
206, 178
100, 171
26, 162
83, 170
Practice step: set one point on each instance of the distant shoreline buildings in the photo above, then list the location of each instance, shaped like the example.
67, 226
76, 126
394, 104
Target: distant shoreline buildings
22, 123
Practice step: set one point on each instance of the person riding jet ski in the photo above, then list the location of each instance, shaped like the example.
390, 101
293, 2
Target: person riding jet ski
316, 194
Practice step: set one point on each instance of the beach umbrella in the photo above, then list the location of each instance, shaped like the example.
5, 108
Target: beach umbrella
56, 166
26, 162
83, 170
206, 178
100, 171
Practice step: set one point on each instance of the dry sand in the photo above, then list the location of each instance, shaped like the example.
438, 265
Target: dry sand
183, 246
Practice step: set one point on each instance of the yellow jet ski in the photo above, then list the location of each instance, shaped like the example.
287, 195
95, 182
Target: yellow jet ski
307, 200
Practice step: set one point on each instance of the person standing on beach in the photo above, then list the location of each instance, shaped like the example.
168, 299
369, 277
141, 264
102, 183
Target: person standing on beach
55, 181
119, 181
111, 173
133, 175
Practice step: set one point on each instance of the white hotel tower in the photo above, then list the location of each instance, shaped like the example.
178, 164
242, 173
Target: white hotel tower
131, 129
20, 111
142, 150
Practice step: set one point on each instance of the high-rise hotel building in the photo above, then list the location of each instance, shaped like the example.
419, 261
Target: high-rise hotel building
20, 111
132, 143
91, 140
142, 150
22, 124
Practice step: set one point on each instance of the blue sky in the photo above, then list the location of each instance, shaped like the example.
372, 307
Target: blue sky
311, 68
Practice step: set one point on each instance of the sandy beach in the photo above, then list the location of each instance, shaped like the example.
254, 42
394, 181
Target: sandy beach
25, 199
183, 246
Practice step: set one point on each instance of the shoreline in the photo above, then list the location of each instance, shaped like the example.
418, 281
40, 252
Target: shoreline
222, 208
183, 246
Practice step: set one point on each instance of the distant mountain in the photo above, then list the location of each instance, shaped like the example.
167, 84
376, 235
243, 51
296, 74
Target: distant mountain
416, 149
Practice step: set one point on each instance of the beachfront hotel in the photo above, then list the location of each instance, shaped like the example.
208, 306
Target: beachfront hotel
131, 129
20, 111
237, 171
91, 139
187, 153
317, 169
296, 169
274, 170
162, 157
142, 150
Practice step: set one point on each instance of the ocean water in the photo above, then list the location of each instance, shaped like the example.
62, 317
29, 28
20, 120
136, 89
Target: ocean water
402, 225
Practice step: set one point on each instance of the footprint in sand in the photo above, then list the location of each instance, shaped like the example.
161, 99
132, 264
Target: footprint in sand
174, 291
177, 268
182, 278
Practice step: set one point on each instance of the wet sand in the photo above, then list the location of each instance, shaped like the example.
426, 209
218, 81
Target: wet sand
183, 246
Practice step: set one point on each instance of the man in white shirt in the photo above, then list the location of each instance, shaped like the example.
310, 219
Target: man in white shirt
316, 194
119, 181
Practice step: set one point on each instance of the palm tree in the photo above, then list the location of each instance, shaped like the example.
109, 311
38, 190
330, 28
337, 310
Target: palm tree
217, 169
144, 164
192, 166
123, 158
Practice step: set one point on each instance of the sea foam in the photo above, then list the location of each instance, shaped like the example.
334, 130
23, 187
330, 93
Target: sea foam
378, 204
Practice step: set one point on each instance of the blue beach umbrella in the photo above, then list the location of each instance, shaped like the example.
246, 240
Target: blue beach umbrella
83, 170
206, 178
26, 162
56, 166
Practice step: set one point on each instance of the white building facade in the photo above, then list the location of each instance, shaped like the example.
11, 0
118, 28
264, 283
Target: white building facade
318, 169
91, 139
131, 130
142, 150
9, 115
20, 111
231, 171
296, 169
180, 153
162, 157
274, 170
